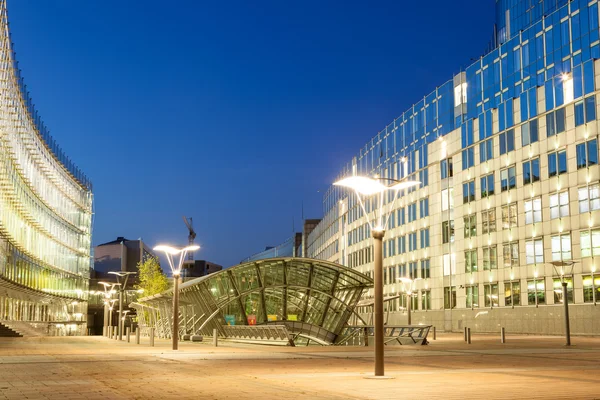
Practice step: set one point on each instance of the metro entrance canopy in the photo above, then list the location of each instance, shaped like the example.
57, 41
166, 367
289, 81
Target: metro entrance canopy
314, 299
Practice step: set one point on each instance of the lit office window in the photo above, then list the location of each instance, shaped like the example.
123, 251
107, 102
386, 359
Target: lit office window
590, 243
512, 294
470, 222
490, 294
490, 258
589, 198
472, 295
488, 221
510, 253
533, 211
509, 216
558, 291
534, 251
589, 286
561, 247
536, 289
471, 260
559, 205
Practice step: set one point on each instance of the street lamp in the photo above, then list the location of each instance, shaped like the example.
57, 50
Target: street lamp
170, 252
121, 275
368, 187
564, 266
108, 291
409, 288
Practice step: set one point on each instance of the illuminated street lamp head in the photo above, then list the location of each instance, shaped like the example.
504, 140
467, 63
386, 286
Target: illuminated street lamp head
363, 185
171, 251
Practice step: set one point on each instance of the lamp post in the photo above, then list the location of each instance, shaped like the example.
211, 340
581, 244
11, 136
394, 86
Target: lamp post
122, 277
111, 305
368, 187
408, 289
108, 291
170, 252
563, 265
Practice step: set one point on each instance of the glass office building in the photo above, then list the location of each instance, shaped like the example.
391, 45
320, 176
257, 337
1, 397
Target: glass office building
507, 156
45, 215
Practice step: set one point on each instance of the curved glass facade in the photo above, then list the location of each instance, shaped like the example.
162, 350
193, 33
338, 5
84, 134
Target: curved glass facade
45, 210
311, 297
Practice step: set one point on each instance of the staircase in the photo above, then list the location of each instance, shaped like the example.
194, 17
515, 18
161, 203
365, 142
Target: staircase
7, 332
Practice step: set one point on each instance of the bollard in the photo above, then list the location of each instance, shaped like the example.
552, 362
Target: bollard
152, 337
465, 333
434, 333
468, 335
215, 338
502, 335
128, 334
137, 335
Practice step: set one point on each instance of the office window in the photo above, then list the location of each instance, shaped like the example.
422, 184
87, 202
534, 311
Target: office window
589, 198
472, 294
424, 207
490, 294
512, 294
402, 271
446, 168
509, 216
447, 199
510, 253
412, 241
587, 154
470, 222
555, 122
401, 217
412, 212
426, 299
449, 264
557, 163
488, 221
559, 205
589, 286
508, 179
487, 185
531, 171
448, 231
534, 251
536, 292
486, 150
533, 211
402, 245
590, 242
471, 260
585, 111
507, 141
449, 297
490, 257
425, 269
558, 292
412, 270
469, 191
561, 247
424, 238
529, 132
468, 158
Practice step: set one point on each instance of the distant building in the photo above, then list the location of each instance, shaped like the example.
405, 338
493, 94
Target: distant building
290, 248
118, 255
200, 268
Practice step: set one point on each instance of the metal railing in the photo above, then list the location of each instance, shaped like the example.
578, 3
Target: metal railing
393, 335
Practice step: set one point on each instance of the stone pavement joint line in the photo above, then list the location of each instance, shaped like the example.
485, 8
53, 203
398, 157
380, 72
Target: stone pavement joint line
97, 368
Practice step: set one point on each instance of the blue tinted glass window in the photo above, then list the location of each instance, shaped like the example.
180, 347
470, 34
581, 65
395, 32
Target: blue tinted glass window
468, 158
579, 114
590, 109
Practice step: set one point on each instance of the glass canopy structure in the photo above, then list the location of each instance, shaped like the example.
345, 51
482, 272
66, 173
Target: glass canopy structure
314, 299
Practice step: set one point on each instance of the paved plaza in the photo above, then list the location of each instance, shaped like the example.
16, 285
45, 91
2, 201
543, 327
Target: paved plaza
526, 367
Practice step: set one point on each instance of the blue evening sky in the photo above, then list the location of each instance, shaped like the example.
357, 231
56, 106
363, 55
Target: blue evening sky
232, 112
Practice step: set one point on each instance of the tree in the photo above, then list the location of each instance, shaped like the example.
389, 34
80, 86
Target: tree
151, 277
